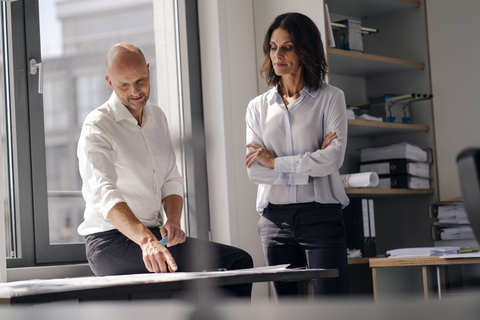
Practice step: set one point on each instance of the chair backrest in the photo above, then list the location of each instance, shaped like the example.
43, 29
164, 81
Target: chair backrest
468, 163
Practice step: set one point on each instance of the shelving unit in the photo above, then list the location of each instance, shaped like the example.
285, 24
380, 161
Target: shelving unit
360, 64
394, 61
365, 128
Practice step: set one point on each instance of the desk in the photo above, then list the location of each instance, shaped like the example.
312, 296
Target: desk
424, 262
126, 286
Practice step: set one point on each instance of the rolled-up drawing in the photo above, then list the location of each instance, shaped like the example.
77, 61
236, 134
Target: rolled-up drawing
357, 180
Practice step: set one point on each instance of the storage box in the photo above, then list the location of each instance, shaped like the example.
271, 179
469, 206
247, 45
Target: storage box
349, 38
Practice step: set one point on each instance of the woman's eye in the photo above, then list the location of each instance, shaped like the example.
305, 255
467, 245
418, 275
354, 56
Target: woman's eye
289, 48
273, 49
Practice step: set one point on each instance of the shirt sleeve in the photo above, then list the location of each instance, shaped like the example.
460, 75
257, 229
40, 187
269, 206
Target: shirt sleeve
260, 174
320, 163
97, 169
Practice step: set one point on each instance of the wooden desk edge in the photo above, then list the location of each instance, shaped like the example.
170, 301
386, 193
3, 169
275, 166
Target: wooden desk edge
419, 261
124, 289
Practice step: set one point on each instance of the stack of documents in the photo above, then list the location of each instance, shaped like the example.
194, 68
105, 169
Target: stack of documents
396, 167
421, 252
396, 151
354, 253
350, 114
452, 214
452, 225
369, 117
399, 165
460, 232
404, 182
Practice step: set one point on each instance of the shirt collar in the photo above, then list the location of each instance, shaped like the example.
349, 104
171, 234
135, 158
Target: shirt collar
121, 112
273, 94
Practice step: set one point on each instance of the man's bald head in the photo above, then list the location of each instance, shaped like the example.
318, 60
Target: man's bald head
121, 55
128, 75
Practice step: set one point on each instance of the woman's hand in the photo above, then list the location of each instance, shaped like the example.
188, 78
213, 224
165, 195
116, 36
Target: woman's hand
262, 155
328, 140
259, 154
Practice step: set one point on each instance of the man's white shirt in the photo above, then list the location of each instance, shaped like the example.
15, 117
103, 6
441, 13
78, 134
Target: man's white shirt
120, 161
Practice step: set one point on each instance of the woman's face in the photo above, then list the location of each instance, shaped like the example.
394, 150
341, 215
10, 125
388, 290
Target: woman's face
282, 54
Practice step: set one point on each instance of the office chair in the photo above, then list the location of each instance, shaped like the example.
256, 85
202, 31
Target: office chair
468, 163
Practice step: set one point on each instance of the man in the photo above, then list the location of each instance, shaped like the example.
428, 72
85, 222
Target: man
129, 173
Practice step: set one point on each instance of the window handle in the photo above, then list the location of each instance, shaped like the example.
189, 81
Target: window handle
34, 65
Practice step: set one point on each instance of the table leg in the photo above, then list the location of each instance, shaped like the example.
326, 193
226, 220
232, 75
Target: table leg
439, 282
306, 289
374, 283
425, 282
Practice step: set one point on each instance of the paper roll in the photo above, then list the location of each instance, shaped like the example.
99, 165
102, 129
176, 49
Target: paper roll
358, 180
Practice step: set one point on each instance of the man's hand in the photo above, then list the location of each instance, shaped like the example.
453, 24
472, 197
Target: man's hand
156, 257
259, 154
174, 232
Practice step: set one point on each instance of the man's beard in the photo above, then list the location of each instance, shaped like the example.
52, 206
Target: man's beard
137, 107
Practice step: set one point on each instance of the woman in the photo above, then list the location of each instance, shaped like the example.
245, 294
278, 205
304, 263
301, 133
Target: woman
296, 140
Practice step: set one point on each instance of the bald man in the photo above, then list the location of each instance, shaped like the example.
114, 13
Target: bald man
129, 175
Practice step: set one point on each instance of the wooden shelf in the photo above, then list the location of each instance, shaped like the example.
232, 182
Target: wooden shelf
376, 191
368, 8
358, 64
366, 128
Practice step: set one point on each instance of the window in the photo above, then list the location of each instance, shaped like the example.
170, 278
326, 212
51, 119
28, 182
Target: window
44, 200
94, 84
55, 108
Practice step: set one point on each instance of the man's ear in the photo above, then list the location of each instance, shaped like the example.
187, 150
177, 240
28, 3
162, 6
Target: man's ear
109, 81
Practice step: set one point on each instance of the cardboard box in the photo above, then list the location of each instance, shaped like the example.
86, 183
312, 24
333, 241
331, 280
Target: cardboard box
349, 38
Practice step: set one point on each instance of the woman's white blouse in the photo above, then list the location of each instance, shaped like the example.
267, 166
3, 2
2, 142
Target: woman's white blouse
303, 172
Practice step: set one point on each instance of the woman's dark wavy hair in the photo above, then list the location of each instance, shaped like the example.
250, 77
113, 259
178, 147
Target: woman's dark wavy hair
307, 44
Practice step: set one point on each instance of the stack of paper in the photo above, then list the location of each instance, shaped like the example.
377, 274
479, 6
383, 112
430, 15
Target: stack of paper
460, 232
421, 252
397, 167
396, 151
350, 114
369, 117
354, 253
452, 214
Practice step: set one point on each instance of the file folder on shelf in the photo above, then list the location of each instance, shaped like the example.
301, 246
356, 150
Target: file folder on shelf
395, 151
397, 167
403, 182
373, 234
464, 232
448, 213
357, 219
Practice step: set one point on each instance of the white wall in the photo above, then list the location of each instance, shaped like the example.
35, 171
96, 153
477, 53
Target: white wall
453, 28
229, 83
